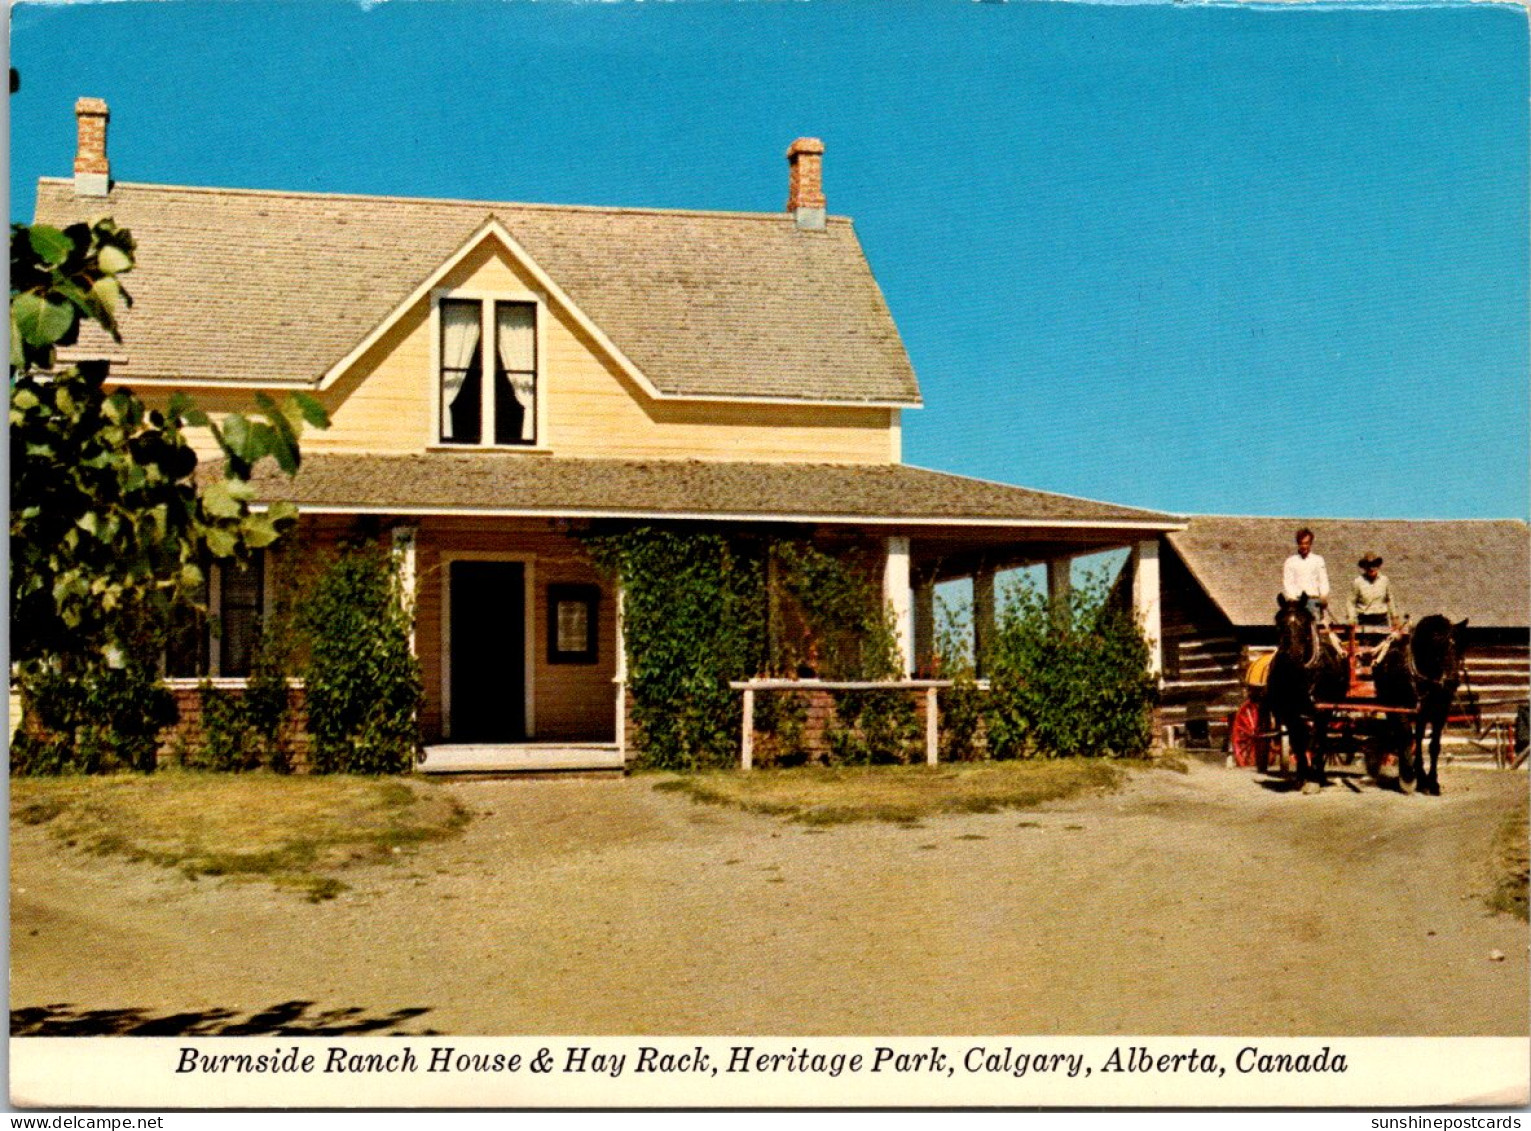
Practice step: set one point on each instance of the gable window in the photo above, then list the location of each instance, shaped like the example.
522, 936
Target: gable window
221, 641
488, 395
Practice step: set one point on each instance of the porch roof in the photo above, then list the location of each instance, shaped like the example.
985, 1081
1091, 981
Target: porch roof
513, 484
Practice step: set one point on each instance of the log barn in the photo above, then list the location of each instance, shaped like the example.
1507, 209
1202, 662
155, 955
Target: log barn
1220, 575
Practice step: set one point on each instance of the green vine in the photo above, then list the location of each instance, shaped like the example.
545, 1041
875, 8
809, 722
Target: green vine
246, 729
694, 618
702, 609
363, 685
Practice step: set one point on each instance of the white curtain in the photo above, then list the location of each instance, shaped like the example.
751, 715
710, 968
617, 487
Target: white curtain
459, 338
516, 328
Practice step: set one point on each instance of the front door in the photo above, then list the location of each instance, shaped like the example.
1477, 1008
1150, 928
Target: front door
488, 652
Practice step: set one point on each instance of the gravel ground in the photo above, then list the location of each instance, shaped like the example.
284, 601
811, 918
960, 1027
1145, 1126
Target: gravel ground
1211, 902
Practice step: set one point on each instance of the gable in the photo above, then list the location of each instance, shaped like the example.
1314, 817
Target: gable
593, 403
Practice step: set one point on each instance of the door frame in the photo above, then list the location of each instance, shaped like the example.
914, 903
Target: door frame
528, 619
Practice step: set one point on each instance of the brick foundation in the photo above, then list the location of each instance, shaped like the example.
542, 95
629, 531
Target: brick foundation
181, 744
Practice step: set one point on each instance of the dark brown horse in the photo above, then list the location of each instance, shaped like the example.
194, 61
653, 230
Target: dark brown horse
1304, 670
1423, 673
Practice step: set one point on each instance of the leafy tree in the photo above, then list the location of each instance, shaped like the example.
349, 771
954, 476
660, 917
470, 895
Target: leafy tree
109, 528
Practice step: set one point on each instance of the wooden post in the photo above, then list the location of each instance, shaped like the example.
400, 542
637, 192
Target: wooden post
924, 625
747, 753
1060, 579
404, 561
619, 677
984, 620
932, 746
895, 588
1145, 601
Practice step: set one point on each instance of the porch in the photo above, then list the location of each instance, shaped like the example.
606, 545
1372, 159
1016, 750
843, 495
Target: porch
520, 637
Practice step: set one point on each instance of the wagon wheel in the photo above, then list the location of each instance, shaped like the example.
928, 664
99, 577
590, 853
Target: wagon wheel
1246, 734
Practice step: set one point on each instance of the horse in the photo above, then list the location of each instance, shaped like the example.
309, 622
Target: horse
1422, 673
1304, 669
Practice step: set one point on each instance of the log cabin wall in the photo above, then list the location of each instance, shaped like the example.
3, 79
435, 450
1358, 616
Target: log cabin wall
1204, 658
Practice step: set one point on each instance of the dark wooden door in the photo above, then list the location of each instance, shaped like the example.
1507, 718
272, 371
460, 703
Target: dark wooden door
488, 652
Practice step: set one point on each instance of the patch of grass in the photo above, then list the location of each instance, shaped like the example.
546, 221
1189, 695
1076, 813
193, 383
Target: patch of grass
1512, 864
292, 831
898, 794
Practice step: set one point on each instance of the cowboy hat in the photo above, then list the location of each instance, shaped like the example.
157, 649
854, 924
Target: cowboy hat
1370, 558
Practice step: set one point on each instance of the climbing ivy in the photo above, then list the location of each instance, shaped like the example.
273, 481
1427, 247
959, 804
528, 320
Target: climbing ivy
702, 609
362, 683
694, 618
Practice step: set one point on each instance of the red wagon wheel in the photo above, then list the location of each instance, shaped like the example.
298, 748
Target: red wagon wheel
1251, 745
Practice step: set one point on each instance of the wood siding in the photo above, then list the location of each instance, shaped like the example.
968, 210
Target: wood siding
386, 401
569, 702
1204, 657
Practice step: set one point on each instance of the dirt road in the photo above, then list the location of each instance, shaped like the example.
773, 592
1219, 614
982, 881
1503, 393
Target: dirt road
1199, 903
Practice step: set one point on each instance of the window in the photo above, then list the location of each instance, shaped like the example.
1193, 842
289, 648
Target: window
572, 623
220, 641
498, 387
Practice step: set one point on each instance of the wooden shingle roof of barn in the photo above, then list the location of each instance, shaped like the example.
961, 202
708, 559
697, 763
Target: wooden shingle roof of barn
1479, 569
248, 286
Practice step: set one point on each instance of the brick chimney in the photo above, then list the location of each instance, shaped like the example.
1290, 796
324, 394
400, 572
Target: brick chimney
92, 174
805, 183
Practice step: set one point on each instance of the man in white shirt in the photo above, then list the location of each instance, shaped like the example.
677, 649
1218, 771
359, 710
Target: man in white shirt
1305, 573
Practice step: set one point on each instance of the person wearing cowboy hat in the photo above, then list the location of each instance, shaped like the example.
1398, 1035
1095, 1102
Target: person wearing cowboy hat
1371, 595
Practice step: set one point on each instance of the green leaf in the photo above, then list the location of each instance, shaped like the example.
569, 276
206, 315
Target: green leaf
113, 260
221, 543
105, 294
259, 531
282, 512
51, 245
279, 444
311, 410
40, 322
218, 499
236, 437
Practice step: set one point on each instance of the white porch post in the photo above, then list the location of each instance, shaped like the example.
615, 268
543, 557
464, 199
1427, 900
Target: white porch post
895, 590
924, 624
404, 555
620, 678
1145, 600
983, 615
1059, 579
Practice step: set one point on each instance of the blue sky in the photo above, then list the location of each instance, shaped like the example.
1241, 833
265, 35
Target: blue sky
1203, 259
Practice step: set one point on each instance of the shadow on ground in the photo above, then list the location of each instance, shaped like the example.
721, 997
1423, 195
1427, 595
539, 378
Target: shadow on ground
1352, 780
289, 1018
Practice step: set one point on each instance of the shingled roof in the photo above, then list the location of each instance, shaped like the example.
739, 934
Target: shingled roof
1475, 569
256, 286
445, 483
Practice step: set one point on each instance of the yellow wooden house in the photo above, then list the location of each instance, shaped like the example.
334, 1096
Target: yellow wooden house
498, 374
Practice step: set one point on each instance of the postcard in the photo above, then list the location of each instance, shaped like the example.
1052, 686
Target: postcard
704, 555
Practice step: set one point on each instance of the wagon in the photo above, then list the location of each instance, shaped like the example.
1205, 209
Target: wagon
1356, 724
1252, 731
